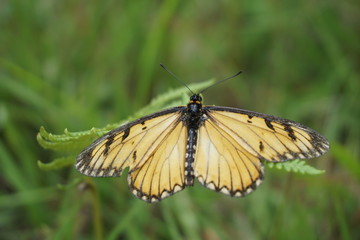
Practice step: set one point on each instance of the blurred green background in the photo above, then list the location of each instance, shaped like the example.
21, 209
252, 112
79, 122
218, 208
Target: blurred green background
83, 64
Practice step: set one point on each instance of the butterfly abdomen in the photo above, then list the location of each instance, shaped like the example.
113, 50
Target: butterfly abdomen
189, 156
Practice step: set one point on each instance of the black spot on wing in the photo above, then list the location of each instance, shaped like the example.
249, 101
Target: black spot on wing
126, 134
134, 156
261, 146
269, 124
144, 128
290, 132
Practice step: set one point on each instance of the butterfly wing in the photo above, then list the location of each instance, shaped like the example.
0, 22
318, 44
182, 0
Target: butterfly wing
270, 138
233, 144
222, 164
153, 147
163, 172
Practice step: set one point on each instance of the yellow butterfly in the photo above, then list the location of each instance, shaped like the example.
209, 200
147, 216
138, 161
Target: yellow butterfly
223, 148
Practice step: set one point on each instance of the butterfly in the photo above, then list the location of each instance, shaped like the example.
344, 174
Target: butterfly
223, 148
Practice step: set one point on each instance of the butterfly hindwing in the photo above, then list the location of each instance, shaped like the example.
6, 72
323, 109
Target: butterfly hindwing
223, 165
163, 172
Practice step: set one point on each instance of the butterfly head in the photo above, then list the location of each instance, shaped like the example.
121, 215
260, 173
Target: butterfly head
194, 105
196, 98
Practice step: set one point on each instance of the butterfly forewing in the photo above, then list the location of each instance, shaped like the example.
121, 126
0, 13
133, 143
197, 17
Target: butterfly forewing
130, 145
267, 137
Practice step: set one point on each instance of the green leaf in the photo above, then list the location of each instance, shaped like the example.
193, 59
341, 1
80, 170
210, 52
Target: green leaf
297, 165
57, 163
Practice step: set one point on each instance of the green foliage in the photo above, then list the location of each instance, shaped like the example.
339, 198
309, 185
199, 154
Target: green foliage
296, 166
66, 64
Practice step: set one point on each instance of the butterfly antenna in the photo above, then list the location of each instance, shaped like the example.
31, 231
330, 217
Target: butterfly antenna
176, 77
220, 82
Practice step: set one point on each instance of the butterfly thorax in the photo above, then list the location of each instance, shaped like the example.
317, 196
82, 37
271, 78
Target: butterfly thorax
194, 112
193, 120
